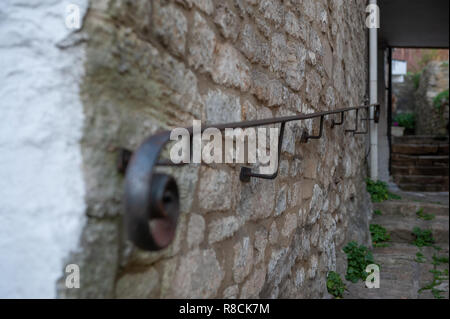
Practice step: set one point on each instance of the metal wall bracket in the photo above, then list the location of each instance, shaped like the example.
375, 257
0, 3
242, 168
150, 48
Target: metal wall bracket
246, 172
305, 135
151, 199
356, 124
367, 125
334, 123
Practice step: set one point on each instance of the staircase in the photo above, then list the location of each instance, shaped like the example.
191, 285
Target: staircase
420, 163
401, 276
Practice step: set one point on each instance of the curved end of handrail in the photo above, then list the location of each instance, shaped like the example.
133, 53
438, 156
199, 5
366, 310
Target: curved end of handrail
151, 199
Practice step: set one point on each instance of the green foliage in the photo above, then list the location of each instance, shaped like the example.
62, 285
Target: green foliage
377, 212
378, 191
440, 99
438, 260
406, 120
380, 236
444, 64
438, 277
420, 258
423, 237
416, 79
358, 257
425, 216
335, 286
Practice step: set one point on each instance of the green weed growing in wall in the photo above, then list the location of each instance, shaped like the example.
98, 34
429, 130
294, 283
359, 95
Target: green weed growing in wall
335, 286
425, 216
440, 100
380, 236
422, 237
379, 191
358, 257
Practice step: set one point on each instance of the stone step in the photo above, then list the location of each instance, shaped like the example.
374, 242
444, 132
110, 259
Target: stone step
401, 276
419, 139
387, 290
423, 188
419, 170
420, 179
420, 160
409, 208
420, 149
399, 253
403, 283
400, 228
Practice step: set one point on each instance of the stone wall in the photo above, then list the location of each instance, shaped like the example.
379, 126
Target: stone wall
432, 120
151, 65
404, 99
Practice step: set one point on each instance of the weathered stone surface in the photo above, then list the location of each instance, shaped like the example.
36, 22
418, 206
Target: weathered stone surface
207, 6
312, 271
313, 88
138, 285
222, 228
275, 258
243, 259
322, 17
257, 199
98, 261
141, 10
299, 277
290, 223
201, 45
330, 98
310, 168
308, 8
295, 195
315, 42
274, 233
306, 189
227, 21
306, 245
273, 11
294, 68
214, 190
280, 268
263, 26
229, 68
169, 269
171, 26
315, 206
272, 92
187, 179
199, 275
278, 52
260, 245
254, 283
284, 168
231, 292
196, 230
315, 233
281, 201
254, 46
291, 24
222, 108
292, 132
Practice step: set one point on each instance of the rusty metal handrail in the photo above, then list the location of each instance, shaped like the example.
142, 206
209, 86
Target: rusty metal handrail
151, 199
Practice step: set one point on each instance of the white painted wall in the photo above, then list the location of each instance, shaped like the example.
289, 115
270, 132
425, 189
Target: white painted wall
41, 118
